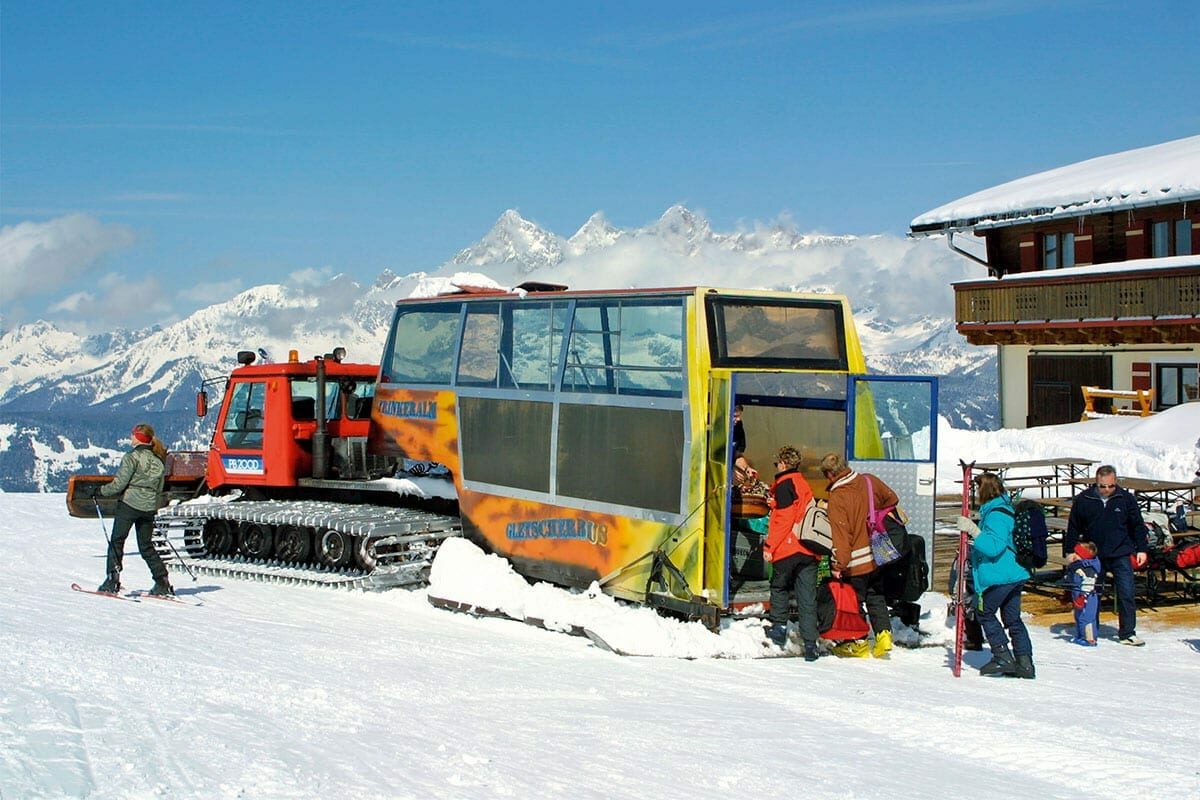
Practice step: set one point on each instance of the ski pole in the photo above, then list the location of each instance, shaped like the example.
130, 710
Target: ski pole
178, 557
104, 530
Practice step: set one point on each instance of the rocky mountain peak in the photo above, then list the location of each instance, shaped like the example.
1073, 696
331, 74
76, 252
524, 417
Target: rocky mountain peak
514, 240
595, 234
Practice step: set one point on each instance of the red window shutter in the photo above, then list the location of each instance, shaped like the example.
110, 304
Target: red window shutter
1030, 257
1084, 254
1139, 377
1135, 240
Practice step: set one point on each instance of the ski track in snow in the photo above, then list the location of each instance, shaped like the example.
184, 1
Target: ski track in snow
293, 692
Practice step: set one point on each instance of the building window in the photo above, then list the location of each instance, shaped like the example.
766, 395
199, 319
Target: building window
1170, 238
1177, 383
1058, 250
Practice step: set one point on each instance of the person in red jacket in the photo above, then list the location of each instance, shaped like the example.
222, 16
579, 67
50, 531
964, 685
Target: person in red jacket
852, 559
794, 565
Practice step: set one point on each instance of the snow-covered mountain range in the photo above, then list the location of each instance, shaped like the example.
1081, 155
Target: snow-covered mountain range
67, 401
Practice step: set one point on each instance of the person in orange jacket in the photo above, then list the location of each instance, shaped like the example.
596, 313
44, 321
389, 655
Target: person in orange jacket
794, 565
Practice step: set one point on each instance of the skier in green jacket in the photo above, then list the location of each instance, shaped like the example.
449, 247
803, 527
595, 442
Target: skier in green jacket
139, 482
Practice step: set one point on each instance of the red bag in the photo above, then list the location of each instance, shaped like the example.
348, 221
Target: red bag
1188, 557
838, 612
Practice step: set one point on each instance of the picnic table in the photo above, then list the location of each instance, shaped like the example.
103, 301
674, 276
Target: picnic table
1154, 495
1047, 475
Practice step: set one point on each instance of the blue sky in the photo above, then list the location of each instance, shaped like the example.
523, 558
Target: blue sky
157, 156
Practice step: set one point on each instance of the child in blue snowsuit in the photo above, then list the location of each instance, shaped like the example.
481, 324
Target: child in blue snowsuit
1083, 594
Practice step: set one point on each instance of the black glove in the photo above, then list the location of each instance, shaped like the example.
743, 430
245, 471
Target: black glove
91, 491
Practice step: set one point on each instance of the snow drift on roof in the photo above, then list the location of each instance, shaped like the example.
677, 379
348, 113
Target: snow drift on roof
1168, 172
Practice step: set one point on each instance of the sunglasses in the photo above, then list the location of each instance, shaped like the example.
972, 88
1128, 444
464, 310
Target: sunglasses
1106, 485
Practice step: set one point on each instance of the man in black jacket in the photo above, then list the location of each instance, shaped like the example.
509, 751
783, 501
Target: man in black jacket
1108, 516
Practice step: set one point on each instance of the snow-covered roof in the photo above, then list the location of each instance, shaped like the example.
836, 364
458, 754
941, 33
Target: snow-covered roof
1162, 173
1094, 270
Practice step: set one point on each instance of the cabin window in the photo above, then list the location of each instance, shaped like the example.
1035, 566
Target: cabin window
244, 420
537, 334
477, 364
626, 346
1177, 383
358, 395
513, 345
776, 333
422, 345
1058, 250
1170, 238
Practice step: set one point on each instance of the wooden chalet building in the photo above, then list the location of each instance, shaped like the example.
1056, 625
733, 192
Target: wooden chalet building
1092, 279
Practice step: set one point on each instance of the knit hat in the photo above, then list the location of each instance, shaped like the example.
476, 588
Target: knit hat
141, 436
1085, 550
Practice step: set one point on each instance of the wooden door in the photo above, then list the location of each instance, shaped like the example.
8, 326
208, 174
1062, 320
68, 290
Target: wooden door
1055, 382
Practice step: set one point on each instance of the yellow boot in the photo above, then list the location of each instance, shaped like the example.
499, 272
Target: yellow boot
883, 644
858, 648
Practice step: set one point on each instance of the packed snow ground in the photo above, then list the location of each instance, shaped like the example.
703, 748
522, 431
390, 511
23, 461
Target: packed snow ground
290, 692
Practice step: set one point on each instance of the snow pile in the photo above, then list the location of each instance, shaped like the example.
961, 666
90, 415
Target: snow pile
465, 574
1164, 446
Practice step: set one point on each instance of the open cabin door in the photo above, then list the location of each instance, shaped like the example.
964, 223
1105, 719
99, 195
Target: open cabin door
891, 431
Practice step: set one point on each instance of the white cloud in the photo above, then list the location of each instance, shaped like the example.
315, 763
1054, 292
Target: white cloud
42, 257
310, 277
205, 294
115, 301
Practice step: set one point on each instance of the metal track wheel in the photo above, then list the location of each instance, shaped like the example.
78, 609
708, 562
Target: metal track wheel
256, 540
364, 554
218, 537
335, 549
293, 543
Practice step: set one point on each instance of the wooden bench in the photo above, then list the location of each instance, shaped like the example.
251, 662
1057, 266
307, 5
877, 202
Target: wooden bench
1143, 397
1055, 505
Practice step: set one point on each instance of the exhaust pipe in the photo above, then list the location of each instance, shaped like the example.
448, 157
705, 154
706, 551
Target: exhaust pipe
320, 440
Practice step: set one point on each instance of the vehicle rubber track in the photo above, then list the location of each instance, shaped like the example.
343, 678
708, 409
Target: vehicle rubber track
350, 546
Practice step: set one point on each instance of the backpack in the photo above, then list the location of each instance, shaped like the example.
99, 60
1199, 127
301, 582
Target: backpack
814, 531
1029, 534
907, 579
839, 616
1178, 522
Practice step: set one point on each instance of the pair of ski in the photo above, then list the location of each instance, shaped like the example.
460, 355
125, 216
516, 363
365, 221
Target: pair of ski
137, 595
960, 575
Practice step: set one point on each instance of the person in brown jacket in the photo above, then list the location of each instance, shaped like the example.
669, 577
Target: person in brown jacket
851, 559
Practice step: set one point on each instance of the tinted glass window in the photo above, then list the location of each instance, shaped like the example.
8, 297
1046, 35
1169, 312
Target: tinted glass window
626, 347
480, 346
537, 331
805, 334
422, 345
1183, 237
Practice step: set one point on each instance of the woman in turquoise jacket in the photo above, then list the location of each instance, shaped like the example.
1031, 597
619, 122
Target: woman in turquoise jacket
998, 581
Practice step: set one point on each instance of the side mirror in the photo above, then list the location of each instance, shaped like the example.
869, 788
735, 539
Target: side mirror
201, 403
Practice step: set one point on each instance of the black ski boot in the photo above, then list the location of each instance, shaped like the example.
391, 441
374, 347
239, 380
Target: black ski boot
1001, 664
1024, 667
810, 651
162, 588
777, 633
111, 585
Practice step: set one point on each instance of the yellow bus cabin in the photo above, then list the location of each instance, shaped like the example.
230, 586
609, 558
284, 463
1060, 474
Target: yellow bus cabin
589, 433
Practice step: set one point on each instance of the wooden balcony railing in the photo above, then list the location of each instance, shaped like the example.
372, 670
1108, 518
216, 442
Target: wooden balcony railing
1004, 311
